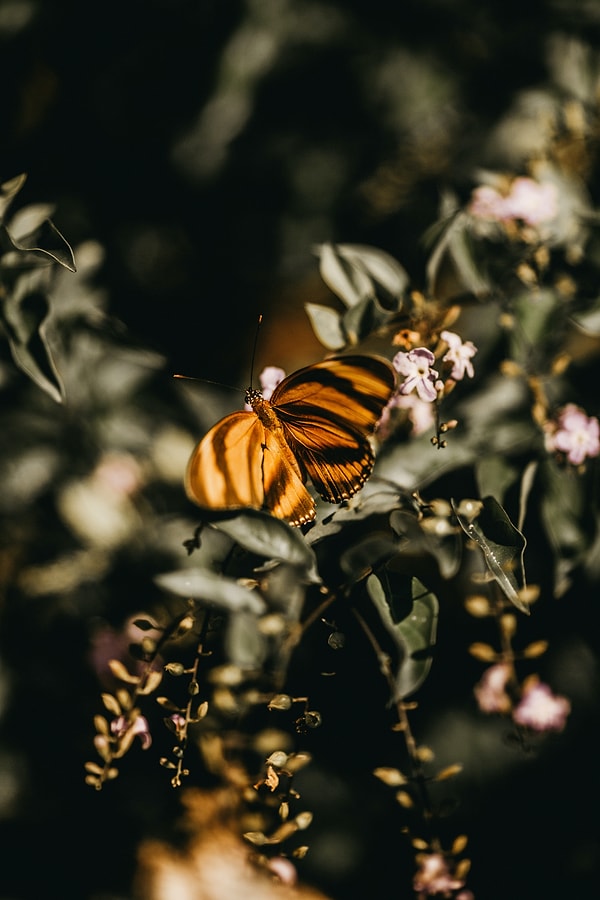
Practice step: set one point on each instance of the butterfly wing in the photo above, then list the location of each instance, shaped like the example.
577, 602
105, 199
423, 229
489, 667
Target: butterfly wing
239, 463
328, 411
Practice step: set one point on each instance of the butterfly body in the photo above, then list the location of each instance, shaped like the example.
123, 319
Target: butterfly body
316, 425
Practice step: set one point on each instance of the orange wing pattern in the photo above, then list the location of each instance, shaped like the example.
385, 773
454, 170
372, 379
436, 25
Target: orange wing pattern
317, 424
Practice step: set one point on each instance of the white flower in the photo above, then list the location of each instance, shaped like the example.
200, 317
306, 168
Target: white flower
416, 366
459, 354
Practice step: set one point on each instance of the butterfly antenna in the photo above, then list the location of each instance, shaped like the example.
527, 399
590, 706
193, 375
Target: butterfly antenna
258, 324
221, 384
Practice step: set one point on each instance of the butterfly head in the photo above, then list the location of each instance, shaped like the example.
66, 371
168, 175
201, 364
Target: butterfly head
253, 397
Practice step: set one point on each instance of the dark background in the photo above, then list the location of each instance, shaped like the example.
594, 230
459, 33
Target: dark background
355, 115
208, 146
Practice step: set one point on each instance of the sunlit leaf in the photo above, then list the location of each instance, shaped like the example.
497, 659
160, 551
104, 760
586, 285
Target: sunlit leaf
349, 282
568, 521
151, 682
202, 584
452, 244
537, 322
327, 325
391, 777
112, 704
271, 538
122, 673
245, 645
365, 555
418, 543
23, 314
414, 636
588, 320
494, 474
9, 190
31, 250
502, 545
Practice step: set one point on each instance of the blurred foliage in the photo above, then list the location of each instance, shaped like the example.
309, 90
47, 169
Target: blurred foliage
315, 162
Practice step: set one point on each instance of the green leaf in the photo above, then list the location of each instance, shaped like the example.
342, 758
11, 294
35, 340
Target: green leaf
502, 545
453, 244
414, 635
494, 474
327, 325
212, 587
367, 554
245, 646
24, 316
348, 281
567, 515
263, 534
8, 192
538, 316
355, 272
33, 249
418, 543
588, 321
359, 321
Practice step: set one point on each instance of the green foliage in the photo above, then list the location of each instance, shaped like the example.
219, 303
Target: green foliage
218, 637
29, 244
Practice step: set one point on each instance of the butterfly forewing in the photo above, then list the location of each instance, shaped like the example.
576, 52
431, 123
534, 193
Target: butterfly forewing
318, 423
222, 470
327, 412
240, 464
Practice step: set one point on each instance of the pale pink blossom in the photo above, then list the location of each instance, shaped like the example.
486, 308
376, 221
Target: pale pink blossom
121, 726
269, 378
574, 434
416, 367
531, 201
420, 414
459, 354
490, 691
487, 203
119, 473
284, 869
433, 876
542, 710
528, 200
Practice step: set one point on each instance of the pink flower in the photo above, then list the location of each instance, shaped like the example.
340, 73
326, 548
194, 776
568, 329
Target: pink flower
120, 726
542, 710
574, 434
528, 200
284, 870
487, 203
118, 473
433, 876
416, 367
532, 202
490, 692
459, 354
269, 378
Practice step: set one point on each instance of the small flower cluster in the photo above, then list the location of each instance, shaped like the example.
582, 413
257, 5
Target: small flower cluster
538, 708
531, 704
114, 738
573, 435
422, 386
526, 200
434, 878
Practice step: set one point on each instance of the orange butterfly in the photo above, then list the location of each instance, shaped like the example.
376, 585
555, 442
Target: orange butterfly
316, 424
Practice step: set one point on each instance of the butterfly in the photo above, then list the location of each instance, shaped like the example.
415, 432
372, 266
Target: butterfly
316, 425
